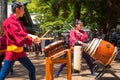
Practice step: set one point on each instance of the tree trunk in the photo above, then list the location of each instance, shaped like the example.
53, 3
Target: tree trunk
3, 13
77, 10
0, 12
113, 14
3, 10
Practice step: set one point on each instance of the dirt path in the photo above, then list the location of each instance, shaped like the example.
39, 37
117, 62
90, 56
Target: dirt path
20, 73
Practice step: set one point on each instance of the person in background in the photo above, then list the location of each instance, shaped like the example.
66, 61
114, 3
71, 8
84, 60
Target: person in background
101, 34
3, 48
16, 36
117, 38
77, 34
111, 36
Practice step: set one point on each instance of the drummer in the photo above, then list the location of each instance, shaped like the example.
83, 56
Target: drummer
16, 36
77, 34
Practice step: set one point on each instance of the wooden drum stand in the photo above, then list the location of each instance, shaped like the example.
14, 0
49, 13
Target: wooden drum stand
53, 52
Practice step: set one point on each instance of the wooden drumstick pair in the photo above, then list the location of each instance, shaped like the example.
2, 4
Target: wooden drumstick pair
37, 39
42, 38
46, 38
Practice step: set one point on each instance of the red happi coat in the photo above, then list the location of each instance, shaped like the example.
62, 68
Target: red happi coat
16, 34
75, 36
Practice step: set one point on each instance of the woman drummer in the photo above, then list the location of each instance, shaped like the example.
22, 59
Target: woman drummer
77, 34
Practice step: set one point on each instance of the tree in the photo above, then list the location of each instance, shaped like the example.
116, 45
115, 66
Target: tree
3, 14
98, 14
3, 10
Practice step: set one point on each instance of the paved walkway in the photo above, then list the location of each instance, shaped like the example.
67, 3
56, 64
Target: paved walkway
20, 73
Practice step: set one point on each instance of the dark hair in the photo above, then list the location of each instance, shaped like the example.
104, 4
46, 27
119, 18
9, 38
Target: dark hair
16, 5
78, 22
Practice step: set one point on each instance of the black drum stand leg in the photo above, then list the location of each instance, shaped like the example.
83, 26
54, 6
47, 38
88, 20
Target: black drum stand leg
104, 69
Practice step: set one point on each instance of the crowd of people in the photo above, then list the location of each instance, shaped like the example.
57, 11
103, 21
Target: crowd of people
112, 36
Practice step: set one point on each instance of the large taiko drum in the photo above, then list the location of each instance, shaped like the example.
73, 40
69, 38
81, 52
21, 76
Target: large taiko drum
101, 50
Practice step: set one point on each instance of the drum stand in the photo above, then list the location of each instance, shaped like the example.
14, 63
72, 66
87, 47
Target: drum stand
50, 61
102, 69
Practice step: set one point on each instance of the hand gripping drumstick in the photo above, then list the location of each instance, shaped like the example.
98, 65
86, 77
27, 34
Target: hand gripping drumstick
45, 38
41, 38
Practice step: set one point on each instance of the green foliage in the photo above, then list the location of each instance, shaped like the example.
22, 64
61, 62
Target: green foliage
18, 0
54, 13
44, 15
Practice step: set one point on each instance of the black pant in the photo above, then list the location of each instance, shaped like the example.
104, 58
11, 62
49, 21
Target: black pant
1, 60
89, 61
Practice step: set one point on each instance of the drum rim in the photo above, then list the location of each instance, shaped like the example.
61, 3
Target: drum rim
93, 46
52, 44
92, 53
112, 57
90, 45
91, 49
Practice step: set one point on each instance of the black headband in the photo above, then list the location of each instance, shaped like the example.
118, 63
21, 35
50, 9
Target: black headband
16, 5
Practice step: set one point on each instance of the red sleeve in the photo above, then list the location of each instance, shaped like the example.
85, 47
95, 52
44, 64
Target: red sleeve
72, 38
3, 43
84, 37
15, 32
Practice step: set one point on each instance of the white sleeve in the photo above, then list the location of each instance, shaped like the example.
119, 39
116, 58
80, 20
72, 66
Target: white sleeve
33, 36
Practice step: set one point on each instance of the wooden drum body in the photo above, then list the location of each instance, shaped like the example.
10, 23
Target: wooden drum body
54, 48
101, 50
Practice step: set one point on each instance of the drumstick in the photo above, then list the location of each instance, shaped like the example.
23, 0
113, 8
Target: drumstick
83, 44
45, 38
70, 25
45, 33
